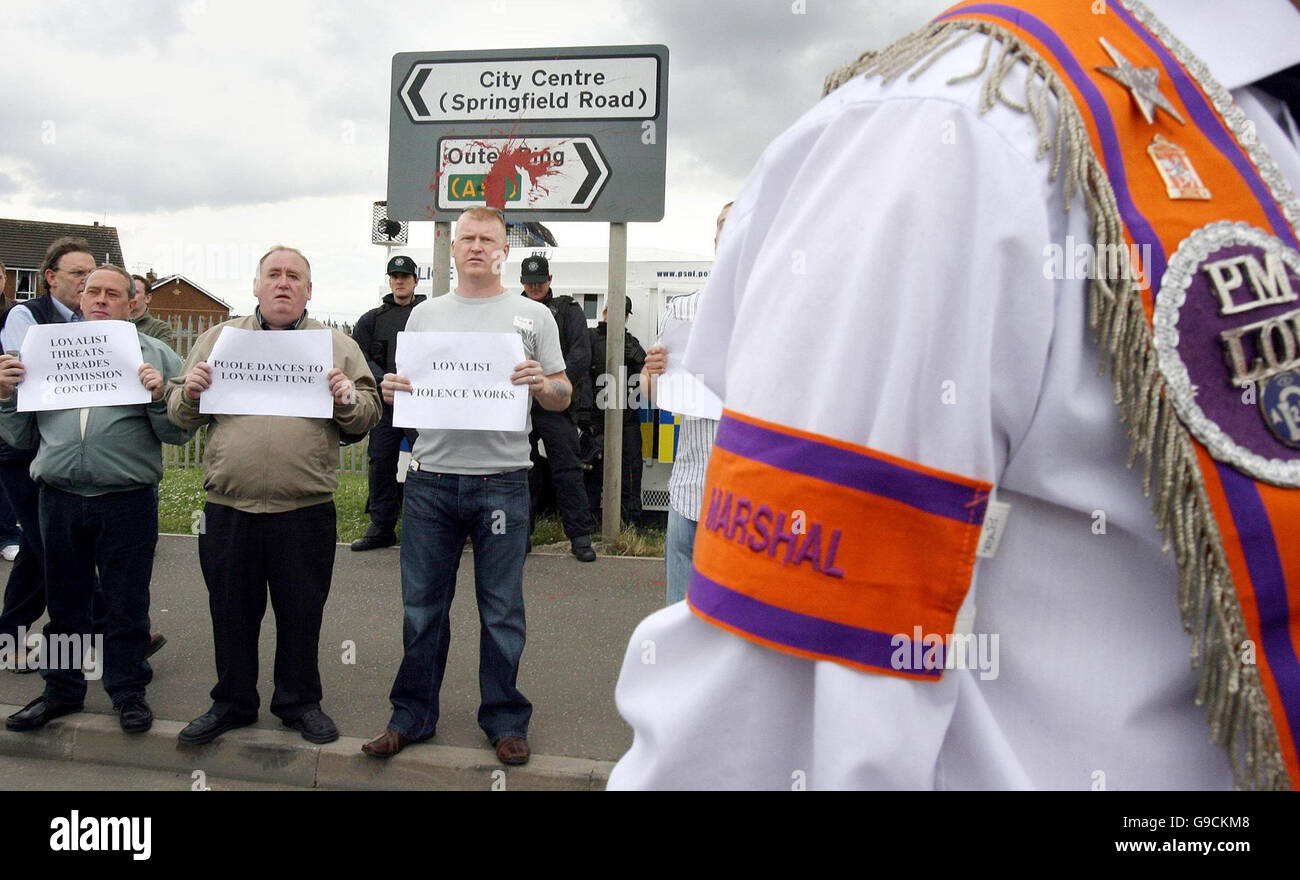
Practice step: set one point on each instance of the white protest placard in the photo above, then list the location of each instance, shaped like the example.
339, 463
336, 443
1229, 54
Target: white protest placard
87, 363
270, 373
677, 390
460, 380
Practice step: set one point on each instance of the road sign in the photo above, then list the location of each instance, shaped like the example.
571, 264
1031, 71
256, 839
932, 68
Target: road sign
555, 174
554, 88
545, 134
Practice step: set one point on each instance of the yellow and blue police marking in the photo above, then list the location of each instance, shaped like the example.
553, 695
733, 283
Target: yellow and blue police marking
659, 431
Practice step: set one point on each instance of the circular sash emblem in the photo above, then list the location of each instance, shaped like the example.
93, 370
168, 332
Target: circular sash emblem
1227, 331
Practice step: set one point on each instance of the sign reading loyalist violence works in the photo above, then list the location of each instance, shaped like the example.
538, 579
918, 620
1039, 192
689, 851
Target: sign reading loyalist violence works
461, 381
544, 134
92, 363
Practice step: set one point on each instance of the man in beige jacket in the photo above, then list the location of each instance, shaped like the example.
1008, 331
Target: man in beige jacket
269, 522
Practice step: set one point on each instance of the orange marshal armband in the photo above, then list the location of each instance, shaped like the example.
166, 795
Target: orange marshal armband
832, 551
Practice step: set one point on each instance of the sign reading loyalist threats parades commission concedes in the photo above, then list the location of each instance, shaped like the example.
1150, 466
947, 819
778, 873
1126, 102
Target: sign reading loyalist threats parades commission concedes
89, 363
545, 134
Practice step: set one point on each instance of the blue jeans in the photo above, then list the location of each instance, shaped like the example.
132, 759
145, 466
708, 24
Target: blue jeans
117, 534
678, 547
438, 512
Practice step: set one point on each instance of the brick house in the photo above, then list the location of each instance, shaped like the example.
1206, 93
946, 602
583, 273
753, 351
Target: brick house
177, 297
23, 244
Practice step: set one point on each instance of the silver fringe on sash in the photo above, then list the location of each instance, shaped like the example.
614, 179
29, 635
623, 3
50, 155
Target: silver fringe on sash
1238, 710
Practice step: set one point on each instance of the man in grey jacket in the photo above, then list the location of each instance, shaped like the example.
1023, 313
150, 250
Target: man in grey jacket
98, 469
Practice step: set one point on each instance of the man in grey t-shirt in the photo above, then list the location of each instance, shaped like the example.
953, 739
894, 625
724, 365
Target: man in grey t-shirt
471, 483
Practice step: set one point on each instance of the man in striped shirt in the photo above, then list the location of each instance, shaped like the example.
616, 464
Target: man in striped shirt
694, 443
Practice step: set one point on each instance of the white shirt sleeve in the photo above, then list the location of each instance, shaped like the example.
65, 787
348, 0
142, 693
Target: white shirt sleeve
880, 281
15, 330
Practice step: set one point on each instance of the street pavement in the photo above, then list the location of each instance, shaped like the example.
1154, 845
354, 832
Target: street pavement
580, 616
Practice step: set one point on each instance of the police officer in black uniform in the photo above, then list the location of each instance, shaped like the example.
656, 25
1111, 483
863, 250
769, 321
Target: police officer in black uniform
618, 398
558, 431
376, 335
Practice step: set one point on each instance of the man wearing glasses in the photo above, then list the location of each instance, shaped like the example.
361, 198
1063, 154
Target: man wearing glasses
63, 272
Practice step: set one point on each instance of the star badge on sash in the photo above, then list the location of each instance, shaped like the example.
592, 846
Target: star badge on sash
1142, 83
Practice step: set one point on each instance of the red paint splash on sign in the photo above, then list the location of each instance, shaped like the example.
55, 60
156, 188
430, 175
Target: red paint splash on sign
515, 157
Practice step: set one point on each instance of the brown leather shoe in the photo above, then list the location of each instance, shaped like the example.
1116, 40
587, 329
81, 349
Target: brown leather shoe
387, 744
513, 750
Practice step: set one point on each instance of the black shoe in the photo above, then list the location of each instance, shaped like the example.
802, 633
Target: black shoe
209, 726
134, 714
315, 726
581, 548
376, 537
38, 713
155, 643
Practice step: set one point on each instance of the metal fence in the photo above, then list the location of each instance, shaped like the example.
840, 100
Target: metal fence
188, 329
353, 459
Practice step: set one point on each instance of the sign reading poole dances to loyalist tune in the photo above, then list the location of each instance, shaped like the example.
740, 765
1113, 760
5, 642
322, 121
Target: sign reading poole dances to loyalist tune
270, 373
70, 366
460, 380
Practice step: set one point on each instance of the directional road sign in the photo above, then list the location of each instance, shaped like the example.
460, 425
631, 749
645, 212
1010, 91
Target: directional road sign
545, 134
553, 174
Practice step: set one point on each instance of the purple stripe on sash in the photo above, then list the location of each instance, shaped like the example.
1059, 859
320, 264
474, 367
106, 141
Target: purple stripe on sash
853, 470
1269, 583
1213, 128
1137, 224
800, 631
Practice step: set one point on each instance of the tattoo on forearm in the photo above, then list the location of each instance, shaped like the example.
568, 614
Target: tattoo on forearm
559, 389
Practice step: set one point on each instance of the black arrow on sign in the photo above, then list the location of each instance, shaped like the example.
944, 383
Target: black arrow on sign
593, 172
413, 92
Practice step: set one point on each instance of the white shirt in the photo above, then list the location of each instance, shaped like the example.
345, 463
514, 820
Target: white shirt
695, 435
21, 318
921, 227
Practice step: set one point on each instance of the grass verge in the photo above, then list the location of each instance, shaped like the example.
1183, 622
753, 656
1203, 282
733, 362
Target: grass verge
181, 499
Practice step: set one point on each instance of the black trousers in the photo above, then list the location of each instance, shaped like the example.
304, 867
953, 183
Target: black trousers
24, 597
559, 433
115, 534
245, 556
385, 502
630, 501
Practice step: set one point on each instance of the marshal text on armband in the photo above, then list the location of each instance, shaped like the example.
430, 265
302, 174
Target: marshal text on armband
761, 529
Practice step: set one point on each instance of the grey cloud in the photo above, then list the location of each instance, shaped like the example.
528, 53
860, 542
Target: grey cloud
741, 72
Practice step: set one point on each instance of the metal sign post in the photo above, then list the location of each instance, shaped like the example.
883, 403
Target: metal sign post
611, 495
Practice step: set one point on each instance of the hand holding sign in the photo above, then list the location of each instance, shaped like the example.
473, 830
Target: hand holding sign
678, 390
392, 384
341, 387
152, 381
12, 373
529, 373
198, 380
656, 360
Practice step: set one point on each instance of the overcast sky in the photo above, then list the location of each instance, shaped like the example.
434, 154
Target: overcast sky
207, 130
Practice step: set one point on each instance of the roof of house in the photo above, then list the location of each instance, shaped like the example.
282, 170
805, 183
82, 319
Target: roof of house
23, 242
178, 277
